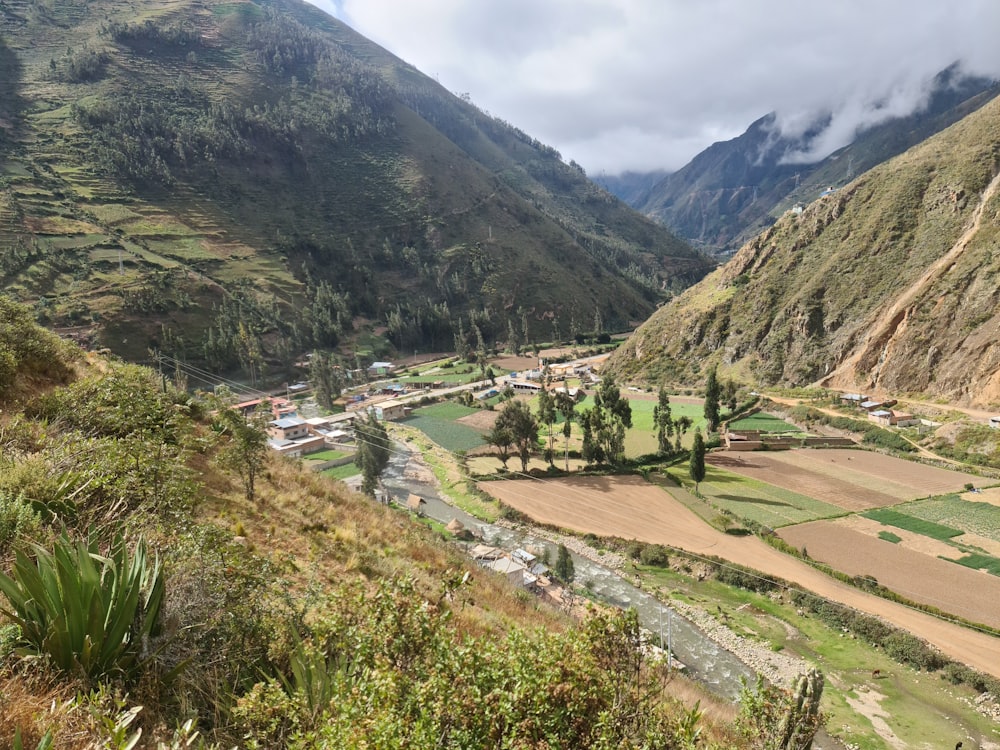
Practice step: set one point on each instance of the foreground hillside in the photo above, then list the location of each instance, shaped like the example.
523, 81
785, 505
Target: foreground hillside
239, 180
889, 284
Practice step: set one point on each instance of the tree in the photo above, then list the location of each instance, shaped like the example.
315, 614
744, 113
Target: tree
564, 569
518, 419
326, 378
547, 416
663, 422
729, 395
246, 453
566, 405
373, 452
605, 424
697, 466
713, 394
502, 439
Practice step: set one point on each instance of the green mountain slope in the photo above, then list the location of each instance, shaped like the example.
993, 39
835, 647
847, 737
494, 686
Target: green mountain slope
890, 283
230, 180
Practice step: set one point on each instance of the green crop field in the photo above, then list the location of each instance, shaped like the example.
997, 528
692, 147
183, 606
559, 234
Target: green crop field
342, 472
892, 517
953, 511
758, 501
978, 561
438, 423
764, 423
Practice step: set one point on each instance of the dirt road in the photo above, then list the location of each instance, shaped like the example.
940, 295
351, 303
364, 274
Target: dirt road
630, 508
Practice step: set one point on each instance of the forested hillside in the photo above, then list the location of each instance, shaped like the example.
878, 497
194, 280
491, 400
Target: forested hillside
239, 181
888, 284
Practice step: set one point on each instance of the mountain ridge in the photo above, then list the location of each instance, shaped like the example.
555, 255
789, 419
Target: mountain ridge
799, 301
205, 163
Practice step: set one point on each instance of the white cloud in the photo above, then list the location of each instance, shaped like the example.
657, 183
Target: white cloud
646, 84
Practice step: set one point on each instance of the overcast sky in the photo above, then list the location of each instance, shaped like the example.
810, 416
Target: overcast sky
646, 84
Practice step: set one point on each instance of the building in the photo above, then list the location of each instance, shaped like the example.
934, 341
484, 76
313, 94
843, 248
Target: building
525, 387
995, 423
279, 407
390, 411
854, 399
288, 428
380, 369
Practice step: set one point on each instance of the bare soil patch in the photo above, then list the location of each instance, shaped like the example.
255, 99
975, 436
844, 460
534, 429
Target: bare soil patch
629, 508
512, 364
919, 576
908, 539
767, 467
482, 420
850, 479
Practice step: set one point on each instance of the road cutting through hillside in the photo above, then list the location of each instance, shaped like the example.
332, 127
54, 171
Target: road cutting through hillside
630, 508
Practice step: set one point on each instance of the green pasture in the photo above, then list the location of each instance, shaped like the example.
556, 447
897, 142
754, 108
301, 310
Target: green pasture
758, 501
327, 455
764, 423
438, 423
893, 517
342, 472
979, 561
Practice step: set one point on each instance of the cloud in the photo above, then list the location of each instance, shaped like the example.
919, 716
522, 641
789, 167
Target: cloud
647, 84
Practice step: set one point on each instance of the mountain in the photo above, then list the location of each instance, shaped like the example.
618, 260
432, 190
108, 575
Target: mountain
888, 284
631, 187
231, 181
734, 189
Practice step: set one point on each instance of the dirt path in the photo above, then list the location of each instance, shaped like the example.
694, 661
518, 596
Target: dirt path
630, 508
883, 330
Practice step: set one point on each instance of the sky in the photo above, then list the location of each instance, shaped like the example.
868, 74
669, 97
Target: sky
641, 85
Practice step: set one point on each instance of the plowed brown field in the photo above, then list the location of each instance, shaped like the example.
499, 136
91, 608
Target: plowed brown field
968, 593
850, 479
630, 508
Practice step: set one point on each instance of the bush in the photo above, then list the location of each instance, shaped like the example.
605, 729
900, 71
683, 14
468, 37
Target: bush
654, 554
17, 519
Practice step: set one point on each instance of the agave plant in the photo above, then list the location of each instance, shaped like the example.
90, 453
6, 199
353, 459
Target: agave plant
89, 613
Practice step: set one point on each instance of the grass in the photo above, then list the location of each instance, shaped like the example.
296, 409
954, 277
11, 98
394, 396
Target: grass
753, 500
342, 472
327, 455
892, 517
978, 561
890, 537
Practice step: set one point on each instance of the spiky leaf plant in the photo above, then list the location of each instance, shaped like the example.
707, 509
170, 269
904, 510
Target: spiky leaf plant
88, 613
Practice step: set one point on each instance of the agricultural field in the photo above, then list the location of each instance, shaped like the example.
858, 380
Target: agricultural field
755, 500
630, 508
440, 423
641, 439
918, 574
853, 480
763, 422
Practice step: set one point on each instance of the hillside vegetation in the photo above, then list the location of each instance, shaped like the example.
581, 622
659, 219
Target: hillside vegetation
889, 284
231, 181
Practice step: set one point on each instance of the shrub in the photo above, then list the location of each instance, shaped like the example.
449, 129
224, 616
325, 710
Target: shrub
654, 554
17, 519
